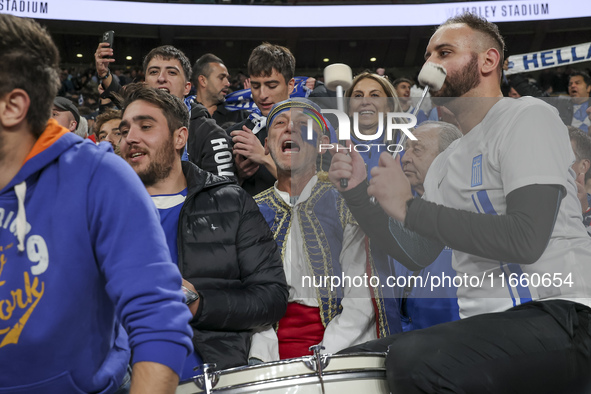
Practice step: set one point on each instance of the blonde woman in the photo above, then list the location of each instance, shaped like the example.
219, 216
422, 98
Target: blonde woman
370, 98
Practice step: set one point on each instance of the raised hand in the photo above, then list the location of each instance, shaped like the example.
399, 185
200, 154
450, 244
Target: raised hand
390, 186
345, 165
102, 58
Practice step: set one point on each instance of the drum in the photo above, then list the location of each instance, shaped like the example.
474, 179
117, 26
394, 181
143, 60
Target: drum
333, 374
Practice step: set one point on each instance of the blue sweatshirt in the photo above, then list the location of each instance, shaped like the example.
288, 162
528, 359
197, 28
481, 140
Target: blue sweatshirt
82, 252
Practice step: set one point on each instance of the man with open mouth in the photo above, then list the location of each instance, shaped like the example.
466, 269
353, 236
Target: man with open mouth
318, 238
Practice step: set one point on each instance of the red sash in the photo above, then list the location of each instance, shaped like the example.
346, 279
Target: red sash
299, 329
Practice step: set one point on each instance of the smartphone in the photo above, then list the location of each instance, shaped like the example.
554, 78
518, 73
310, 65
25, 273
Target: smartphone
108, 37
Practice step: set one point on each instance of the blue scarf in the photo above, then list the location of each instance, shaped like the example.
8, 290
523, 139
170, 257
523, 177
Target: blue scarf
242, 99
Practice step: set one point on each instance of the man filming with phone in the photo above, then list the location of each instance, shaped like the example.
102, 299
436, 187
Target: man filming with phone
168, 68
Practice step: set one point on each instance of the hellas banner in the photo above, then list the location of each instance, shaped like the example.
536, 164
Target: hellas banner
534, 61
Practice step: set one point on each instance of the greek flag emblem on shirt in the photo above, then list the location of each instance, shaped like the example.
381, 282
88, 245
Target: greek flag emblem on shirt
477, 171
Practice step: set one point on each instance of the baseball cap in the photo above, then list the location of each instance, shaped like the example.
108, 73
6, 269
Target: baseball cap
66, 105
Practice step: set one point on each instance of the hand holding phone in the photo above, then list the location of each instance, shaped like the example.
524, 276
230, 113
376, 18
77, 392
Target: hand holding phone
104, 54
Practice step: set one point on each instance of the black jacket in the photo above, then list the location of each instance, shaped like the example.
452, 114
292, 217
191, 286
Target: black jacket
225, 118
209, 146
262, 179
227, 251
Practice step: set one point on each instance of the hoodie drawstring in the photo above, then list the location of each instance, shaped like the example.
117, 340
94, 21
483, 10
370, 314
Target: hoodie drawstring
21, 216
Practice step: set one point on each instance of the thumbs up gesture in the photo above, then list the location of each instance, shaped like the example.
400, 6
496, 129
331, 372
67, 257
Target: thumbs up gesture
390, 186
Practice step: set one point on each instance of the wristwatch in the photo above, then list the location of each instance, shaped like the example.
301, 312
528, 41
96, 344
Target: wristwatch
190, 296
106, 75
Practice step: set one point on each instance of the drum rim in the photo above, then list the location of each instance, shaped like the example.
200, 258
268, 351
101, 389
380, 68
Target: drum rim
297, 359
311, 378
286, 362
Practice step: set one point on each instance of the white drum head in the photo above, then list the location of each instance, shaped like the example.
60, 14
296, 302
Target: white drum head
342, 374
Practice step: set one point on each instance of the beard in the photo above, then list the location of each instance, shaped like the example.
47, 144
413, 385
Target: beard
117, 150
220, 99
160, 166
458, 83
217, 97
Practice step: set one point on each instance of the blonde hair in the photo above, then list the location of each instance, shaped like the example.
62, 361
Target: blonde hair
389, 90
384, 83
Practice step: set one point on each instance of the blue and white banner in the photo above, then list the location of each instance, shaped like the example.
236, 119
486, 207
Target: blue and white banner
240, 99
176, 14
534, 61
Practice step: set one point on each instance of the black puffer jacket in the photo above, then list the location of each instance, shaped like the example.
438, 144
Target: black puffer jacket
227, 251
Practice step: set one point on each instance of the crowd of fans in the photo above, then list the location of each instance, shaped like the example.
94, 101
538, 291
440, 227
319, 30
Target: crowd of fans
85, 90
221, 194
82, 86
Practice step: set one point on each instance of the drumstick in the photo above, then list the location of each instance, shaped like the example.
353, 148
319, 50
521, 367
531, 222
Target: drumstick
339, 77
432, 76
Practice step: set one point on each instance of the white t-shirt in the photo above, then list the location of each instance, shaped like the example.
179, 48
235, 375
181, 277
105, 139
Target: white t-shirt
518, 143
